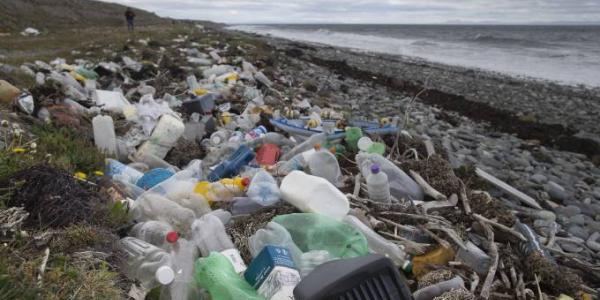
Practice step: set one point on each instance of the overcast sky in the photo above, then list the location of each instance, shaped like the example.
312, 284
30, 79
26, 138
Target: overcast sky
376, 11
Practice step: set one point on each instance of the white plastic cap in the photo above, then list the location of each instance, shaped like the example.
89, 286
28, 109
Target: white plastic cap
165, 275
364, 143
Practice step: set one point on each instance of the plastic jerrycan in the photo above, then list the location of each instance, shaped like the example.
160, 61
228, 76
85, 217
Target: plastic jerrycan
230, 167
314, 194
146, 263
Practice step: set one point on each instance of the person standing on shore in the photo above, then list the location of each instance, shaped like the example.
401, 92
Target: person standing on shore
129, 16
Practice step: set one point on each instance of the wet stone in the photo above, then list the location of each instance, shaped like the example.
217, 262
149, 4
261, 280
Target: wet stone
539, 178
556, 191
579, 231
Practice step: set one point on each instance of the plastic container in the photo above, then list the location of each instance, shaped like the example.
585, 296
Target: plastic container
378, 185
146, 263
401, 185
379, 244
218, 137
308, 144
474, 257
273, 234
297, 163
128, 174
183, 253
157, 233
263, 189
318, 232
230, 167
314, 194
255, 133
209, 235
273, 273
271, 138
244, 206
152, 161
365, 278
164, 137
353, 134
324, 164
216, 274
109, 100
104, 134
222, 191
267, 154
152, 206
204, 104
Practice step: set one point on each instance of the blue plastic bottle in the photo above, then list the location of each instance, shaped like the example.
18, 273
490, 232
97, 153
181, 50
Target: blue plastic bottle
230, 167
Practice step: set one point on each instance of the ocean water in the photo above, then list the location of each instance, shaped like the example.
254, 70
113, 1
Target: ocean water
566, 54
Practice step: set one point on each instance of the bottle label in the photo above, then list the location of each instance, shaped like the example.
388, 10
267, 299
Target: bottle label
236, 259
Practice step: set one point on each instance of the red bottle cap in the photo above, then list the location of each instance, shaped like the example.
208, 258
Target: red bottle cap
245, 181
172, 237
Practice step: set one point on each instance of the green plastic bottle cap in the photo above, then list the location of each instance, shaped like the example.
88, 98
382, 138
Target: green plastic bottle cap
378, 148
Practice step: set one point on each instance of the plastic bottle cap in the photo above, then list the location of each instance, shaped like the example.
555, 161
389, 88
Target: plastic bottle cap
245, 181
164, 275
375, 169
172, 237
317, 147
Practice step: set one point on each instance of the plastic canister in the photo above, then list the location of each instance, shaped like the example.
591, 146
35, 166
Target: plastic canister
267, 154
314, 194
165, 135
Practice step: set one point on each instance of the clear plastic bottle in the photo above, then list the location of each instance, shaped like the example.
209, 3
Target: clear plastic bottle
378, 185
401, 185
244, 206
152, 206
157, 233
145, 262
116, 168
209, 235
297, 163
183, 254
264, 189
308, 144
324, 164
220, 136
273, 234
270, 138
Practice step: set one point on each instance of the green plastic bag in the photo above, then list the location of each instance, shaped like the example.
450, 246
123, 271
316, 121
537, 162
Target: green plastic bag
353, 134
88, 74
215, 273
318, 232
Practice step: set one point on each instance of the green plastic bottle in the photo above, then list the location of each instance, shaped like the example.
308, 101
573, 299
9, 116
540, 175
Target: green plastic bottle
215, 273
312, 231
353, 134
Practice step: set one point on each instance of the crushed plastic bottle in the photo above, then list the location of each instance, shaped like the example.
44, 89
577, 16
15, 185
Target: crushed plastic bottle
324, 164
378, 185
314, 194
183, 253
230, 167
127, 174
151, 206
146, 263
209, 235
157, 233
216, 274
263, 189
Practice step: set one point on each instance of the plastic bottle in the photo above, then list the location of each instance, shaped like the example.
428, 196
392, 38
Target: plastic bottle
209, 235
273, 234
308, 144
216, 274
244, 206
126, 173
474, 257
324, 164
146, 263
353, 134
378, 186
255, 133
314, 194
218, 137
152, 161
271, 138
183, 253
401, 185
165, 135
157, 233
194, 129
297, 163
263, 189
379, 244
151, 206
104, 134
230, 167
267, 154
222, 191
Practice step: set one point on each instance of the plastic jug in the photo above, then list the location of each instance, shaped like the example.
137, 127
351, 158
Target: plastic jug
401, 185
151, 206
308, 144
366, 277
314, 194
378, 186
379, 244
318, 232
216, 274
263, 189
104, 134
324, 164
209, 235
146, 263
267, 154
353, 134
157, 233
165, 135
230, 167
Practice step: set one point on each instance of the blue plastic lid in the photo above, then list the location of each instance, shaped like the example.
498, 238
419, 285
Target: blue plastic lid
154, 177
375, 169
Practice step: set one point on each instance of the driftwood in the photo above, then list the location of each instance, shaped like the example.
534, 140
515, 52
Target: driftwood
428, 189
507, 188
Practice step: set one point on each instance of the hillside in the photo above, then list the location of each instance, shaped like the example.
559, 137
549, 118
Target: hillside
15, 15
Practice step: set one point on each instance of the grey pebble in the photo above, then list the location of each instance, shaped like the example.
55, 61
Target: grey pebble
577, 219
568, 211
579, 231
555, 191
539, 178
570, 247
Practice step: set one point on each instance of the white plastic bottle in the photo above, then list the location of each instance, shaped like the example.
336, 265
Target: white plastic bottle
104, 134
157, 233
152, 206
314, 194
165, 135
324, 164
208, 233
146, 263
263, 189
378, 185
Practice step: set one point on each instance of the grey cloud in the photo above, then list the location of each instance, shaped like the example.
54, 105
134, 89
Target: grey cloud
375, 11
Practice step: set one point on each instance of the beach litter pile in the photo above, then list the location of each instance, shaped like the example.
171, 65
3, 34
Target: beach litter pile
234, 190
